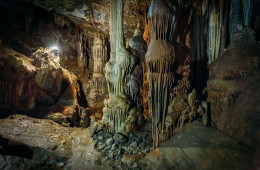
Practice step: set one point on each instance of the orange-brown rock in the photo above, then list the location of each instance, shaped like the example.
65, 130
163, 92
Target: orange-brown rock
27, 83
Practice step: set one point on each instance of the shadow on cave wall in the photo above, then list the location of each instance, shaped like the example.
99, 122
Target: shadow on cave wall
82, 100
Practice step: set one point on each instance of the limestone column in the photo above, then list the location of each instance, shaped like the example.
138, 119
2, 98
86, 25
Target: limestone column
159, 59
120, 114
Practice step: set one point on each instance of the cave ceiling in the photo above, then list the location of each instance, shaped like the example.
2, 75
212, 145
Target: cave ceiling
93, 15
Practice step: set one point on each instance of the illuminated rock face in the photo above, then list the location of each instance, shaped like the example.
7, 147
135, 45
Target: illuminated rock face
38, 81
160, 59
120, 115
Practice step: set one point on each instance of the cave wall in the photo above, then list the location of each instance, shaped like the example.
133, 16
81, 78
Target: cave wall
233, 77
201, 32
25, 29
34, 27
202, 58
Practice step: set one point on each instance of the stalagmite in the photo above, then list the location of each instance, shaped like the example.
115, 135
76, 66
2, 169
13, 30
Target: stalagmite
160, 59
97, 85
117, 111
234, 75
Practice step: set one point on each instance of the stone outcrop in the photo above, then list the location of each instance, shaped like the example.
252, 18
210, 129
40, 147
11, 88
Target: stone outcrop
94, 16
36, 81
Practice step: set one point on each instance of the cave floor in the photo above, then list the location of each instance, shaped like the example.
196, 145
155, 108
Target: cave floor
51, 146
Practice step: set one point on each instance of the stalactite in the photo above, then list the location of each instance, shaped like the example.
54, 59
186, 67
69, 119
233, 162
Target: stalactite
77, 32
225, 7
80, 50
248, 8
160, 59
214, 32
99, 54
236, 18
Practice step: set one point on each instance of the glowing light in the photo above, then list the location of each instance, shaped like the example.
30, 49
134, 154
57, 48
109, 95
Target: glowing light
54, 47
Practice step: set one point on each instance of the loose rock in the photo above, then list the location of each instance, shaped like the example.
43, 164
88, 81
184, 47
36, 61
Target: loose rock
109, 141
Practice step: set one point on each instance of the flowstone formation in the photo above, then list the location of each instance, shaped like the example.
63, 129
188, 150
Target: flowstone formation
233, 81
97, 85
120, 115
160, 60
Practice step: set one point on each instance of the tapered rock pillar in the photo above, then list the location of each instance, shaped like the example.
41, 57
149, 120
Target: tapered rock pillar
159, 59
97, 85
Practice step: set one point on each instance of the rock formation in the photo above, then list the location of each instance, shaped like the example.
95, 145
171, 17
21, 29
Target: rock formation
35, 82
117, 114
233, 78
97, 85
159, 59
184, 104
135, 80
158, 84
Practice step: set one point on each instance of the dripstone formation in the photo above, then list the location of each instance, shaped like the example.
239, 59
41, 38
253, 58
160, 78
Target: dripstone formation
120, 111
97, 85
159, 58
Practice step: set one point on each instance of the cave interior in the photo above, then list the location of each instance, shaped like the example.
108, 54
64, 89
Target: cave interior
129, 84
